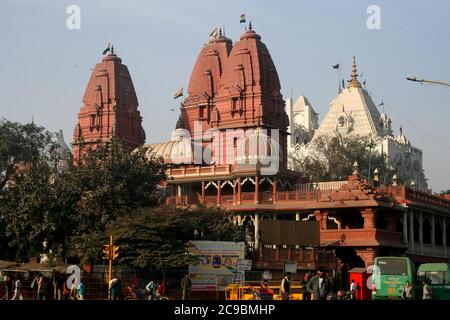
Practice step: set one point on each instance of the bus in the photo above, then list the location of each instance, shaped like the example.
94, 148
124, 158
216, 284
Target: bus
438, 276
390, 275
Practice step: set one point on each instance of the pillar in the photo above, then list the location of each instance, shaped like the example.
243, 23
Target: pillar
180, 194
421, 232
256, 223
219, 190
297, 218
239, 191
369, 218
411, 230
203, 193
405, 227
257, 190
239, 220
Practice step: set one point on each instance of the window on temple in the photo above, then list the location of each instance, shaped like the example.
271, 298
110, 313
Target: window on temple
234, 102
202, 112
92, 122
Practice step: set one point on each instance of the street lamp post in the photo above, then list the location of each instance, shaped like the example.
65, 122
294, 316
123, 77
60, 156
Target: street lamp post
443, 83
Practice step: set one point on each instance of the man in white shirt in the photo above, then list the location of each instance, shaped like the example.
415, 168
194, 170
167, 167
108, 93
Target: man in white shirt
353, 289
286, 286
17, 290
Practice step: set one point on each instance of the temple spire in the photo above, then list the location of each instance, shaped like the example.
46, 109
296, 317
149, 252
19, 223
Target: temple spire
354, 82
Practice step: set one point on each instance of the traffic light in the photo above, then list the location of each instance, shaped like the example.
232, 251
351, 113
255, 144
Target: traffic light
115, 252
106, 251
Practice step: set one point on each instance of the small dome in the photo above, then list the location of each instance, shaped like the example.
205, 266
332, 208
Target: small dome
250, 34
177, 151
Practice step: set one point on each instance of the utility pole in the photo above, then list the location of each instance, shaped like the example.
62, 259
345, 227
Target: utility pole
111, 253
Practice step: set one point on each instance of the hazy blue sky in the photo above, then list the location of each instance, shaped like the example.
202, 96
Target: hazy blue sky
44, 66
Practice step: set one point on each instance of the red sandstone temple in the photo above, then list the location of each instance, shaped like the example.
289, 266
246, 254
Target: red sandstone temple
109, 108
229, 150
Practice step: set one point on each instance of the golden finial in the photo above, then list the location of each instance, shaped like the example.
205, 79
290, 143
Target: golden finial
354, 82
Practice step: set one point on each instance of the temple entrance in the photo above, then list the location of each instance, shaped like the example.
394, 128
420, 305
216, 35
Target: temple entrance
348, 259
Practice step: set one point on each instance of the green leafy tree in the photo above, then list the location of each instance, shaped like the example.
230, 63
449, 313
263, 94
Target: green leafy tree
156, 238
42, 211
22, 143
332, 158
111, 180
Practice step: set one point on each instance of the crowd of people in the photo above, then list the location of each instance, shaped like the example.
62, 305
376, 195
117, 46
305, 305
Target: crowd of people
44, 288
316, 287
320, 287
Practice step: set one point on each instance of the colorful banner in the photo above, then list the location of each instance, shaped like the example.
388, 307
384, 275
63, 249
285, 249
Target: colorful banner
216, 266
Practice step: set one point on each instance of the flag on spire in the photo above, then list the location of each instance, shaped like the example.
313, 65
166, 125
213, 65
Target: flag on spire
336, 66
343, 84
242, 18
108, 48
179, 93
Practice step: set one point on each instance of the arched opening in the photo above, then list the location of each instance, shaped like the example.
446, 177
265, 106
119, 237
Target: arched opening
265, 186
307, 216
249, 228
226, 193
349, 259
210, 190
416, 229
227, 189
380, 221
426, 230
332, 222
438, 233
351, 219
248, 186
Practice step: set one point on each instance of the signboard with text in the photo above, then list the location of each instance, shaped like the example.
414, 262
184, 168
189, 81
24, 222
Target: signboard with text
216, 265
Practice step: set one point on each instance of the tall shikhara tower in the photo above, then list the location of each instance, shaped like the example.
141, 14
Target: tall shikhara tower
110, 108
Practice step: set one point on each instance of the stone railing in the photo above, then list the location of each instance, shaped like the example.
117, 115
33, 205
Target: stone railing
352, 237
307, 259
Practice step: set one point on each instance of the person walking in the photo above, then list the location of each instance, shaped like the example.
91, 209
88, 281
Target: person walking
427, 292
81, 291
17, 290
304, 283
115, 287
186, 286
353, 289
41, 288
319, 286
151, 289
286, 286
407, 291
